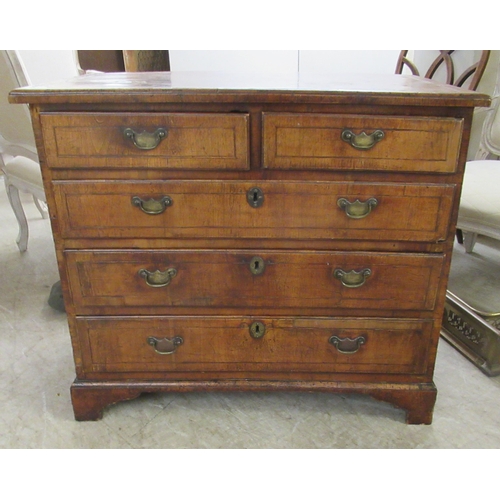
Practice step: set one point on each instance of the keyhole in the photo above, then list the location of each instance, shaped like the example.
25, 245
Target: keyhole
255, 197
257, 265
257, 330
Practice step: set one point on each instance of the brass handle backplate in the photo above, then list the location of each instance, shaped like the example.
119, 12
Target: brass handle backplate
145, 140
158, 278
257, 330
347, 345
362, 140
164, 345
357, 209
152, 206
352, 279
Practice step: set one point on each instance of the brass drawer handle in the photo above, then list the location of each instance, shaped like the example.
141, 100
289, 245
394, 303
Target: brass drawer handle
152, 206
164, 345
257, 330
158, 278
352, 279
145, 140
357, 209
363, 140
347, 345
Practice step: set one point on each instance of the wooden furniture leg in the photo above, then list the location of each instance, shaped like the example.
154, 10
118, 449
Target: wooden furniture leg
90, 398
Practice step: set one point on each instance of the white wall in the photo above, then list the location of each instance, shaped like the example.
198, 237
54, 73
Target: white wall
335, 61
48, 65
44, 66
234, 60
348, 61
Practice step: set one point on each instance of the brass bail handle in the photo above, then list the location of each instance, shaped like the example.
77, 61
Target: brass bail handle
363, 140
145, 140
352, 279
347, 345
357, 209
165, 345
152, 206
157, 279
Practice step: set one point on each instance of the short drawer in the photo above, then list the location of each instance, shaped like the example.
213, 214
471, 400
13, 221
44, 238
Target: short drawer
152, 140
228, 281
361, 142
262, 210
253, 344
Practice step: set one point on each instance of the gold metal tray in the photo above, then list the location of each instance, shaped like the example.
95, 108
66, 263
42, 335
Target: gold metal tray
476, 334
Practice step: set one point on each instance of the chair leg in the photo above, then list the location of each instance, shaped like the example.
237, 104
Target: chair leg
469, 241
15, 203
42, 207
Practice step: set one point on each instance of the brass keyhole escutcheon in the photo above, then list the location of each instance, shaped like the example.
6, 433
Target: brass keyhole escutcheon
257, 330
257, 265
255, 197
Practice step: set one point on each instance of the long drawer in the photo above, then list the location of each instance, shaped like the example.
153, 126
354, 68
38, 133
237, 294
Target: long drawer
262, 210
154, 140
360, 142
235, 280
237, 344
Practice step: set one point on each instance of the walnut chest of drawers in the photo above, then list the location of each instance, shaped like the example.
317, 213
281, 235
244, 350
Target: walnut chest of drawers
216, 232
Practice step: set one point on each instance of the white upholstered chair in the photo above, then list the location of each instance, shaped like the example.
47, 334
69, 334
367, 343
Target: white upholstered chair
18, 156
479, 211
475, 70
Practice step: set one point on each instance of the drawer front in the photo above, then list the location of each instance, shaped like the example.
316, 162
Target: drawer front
170, 344
228, 281
337, 142
173, 140
288, 210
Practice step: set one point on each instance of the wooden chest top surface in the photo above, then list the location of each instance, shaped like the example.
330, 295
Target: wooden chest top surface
252, 87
